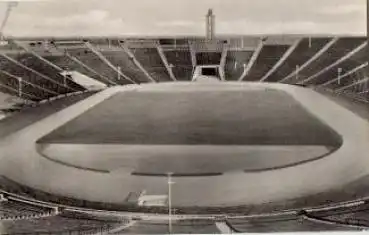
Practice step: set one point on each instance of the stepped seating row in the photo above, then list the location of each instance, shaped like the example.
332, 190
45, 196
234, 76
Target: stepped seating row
67, 63
93, 61
13, 209
160, 74
99, 216
127, 66
355, 214
334, 53
235, 62
353, 93
32, 62
9, 85
151, 61
148, 57
298, 224
355, 85
178, 227
357, 217
183, 73
336, 82
353, 80
182, 64
357, 106
351, 63
268, 57
42, 89
63, 223
358, 88
305, 50
117, 59
212, 58
36, 64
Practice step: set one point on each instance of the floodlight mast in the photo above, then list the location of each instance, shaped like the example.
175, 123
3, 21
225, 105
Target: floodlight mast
170, 182
9, 9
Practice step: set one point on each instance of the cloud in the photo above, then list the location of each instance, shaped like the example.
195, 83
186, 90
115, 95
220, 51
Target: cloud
89, 23
93, 17
177, 23
181, 17
20, 1
342, 9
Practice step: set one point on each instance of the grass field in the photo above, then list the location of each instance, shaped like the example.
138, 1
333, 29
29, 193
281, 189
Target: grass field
214, 117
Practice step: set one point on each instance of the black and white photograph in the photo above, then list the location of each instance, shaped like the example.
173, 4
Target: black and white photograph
183, 116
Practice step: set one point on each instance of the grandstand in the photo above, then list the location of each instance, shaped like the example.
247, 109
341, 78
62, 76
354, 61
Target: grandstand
62, 223
310, 61
139, 135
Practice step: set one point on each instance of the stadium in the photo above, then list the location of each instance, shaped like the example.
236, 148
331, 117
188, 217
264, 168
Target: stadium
199, 134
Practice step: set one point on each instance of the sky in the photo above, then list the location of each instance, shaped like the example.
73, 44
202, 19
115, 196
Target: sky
184, 17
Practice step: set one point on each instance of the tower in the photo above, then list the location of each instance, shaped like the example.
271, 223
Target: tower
210, 25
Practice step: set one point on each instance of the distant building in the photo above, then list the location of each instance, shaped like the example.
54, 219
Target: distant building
153, 200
